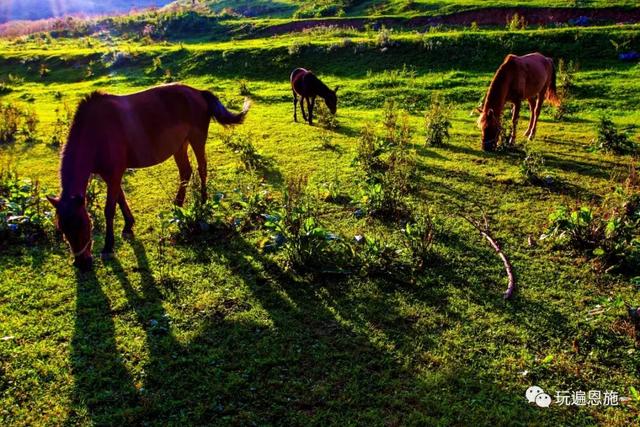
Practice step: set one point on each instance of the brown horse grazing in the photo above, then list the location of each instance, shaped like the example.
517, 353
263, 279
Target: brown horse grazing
531, 77
112, 133
305, 84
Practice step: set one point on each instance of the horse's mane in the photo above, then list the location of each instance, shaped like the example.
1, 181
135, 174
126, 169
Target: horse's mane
79, 117
492, 92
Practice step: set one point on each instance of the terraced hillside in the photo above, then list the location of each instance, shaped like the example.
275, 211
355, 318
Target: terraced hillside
331, 277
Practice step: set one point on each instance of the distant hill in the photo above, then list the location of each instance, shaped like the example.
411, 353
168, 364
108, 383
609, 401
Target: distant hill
41, 9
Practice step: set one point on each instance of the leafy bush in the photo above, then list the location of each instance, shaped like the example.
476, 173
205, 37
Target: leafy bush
62, 125
325, 118
566, 76
10, 117
532, 167
437, 122
297, 231
196, 216
24, 214
377, 257
387, 165
17, 122
419, 236
252, 200
610, 236
516, 23
368, 151
242, 144
611, 139
244, 87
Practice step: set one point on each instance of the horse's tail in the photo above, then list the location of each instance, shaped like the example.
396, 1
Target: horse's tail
552, 94
221, 114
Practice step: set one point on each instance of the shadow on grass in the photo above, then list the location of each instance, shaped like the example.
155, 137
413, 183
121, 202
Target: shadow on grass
323, 355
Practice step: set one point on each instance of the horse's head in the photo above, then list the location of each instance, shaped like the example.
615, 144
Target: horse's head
73, 221
332, 100
490, 126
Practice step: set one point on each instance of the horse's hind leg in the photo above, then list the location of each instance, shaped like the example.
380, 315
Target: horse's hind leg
184, 168
127, 231
113, 195
532, 108
536, 114
514, 120
201, 158
304, 115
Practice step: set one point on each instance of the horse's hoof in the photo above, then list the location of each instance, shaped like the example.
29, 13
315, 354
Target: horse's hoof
127, 234
106, 256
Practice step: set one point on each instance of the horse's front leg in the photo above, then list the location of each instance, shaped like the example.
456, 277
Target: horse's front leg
295, 107
113, 194
532, 108
514, 121
310, 103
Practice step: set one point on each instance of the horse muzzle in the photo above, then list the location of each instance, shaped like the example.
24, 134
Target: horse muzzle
489, 145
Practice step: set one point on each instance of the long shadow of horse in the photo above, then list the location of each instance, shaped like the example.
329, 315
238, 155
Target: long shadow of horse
320, 357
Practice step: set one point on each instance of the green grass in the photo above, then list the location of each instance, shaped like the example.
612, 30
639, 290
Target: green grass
286, 8
213, 331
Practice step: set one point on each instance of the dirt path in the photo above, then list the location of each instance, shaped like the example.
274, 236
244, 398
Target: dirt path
486, 16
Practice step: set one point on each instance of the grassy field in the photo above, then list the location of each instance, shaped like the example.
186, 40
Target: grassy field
213, 329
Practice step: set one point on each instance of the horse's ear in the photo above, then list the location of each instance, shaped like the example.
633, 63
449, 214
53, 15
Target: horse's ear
53, 200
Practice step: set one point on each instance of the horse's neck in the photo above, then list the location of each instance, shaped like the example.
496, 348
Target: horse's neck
75, 169
497, 94
321, 88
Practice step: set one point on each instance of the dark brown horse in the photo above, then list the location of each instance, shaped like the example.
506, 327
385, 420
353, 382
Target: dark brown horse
305, 84
112, 133
531, 77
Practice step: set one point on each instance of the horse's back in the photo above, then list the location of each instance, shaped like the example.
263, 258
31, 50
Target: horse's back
146, 127
296, 73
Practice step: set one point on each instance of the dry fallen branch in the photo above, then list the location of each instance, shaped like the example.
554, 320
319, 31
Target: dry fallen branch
483, 228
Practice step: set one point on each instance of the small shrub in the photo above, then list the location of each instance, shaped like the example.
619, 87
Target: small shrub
609, 235
298, 232
196, 216
252, 201
368, 152
516, 22
43, 71
326, 142
62, 125
419, 236
325, 118
244, 88
611, 139
10, 118
383, 39
532, 167
437, 122
377, 257
24, 214
29, 125
566, 77
242, 144
296, 48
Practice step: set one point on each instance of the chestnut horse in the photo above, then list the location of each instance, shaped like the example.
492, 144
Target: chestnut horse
531, 77
111, 133
305, 84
